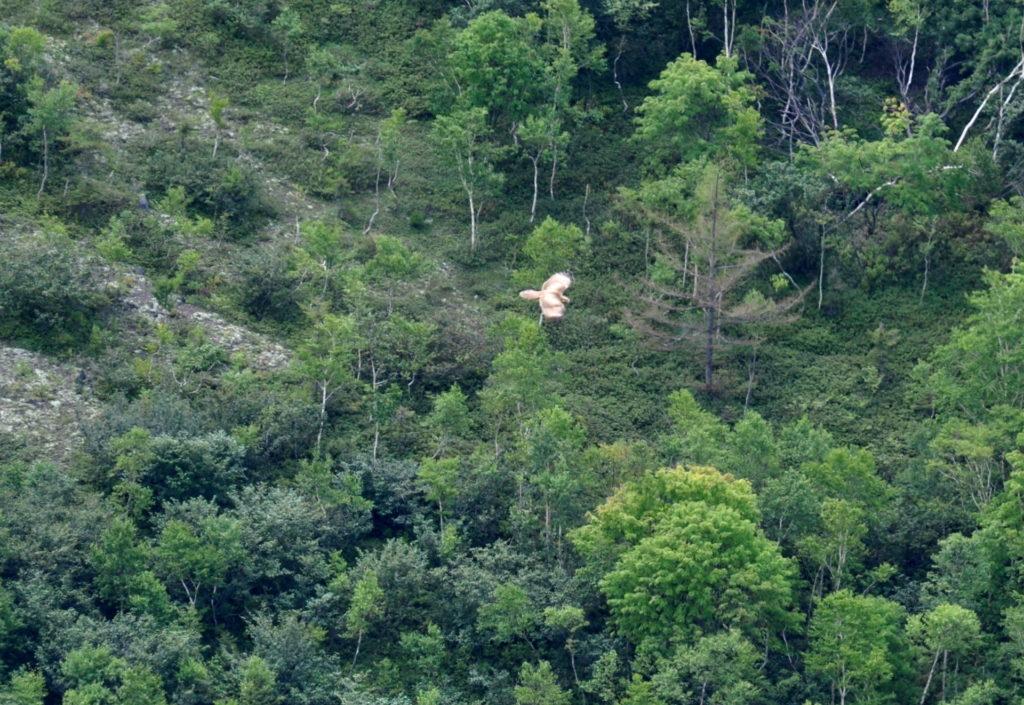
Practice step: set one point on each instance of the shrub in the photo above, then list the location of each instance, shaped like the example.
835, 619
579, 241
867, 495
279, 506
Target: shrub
49, 295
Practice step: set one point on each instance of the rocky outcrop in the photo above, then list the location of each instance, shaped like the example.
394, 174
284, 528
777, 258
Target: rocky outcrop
261, 353
43, 403
134, 293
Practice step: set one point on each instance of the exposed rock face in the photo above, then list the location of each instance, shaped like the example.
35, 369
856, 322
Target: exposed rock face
136, 298
261, 353
43, 403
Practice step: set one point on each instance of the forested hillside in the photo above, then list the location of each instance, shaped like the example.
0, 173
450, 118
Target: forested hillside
277, 429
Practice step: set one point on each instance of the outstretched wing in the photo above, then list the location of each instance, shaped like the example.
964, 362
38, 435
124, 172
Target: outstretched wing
558, 283
530, 294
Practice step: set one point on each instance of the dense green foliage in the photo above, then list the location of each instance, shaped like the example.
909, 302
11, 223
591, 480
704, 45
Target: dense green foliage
275, 428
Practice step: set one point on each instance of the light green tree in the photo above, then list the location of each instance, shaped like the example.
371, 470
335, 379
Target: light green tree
523, 377
51, 114
538, 686
258, 683
365, 608
424, 652
393, 347
318, 259
438, 477
24, 688
718, 668
910, 173
541, 137
23, 50
552, 247
570, 47
287, 28
97, 677
218, 104
697, 436
330, 489
838, 548
944, 631
118, 558
1006, 221
463, 138
199, 556
703, 567
497, 66
326, 359
387, 152
391, 145
509, 615
552, 450
449, 420
961, 573
689, 532
701, 111
857, 646
568, 619
979, 368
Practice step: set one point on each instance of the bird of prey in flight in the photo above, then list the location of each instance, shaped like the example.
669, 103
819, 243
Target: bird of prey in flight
551, 296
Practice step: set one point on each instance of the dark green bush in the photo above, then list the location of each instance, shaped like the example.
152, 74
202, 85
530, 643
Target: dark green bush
266, 287
50, 296
222, 188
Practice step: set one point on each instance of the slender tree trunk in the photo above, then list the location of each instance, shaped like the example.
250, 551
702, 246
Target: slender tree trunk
1019, 68
945, 660
392, 178
533, 205
831, 90
359, 643
913, 59
472, 222
686, 263
323, 415
928, 681
46, 163
615, 74
751, 374
689, 28
192, 594
376, 409
709, 346
547, 522
376, 201
554, 169
586, 197
117, 58
924, 284
726, 42
713, 298
821, 265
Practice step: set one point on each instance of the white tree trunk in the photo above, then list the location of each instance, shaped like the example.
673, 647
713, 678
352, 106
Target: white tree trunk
46, 163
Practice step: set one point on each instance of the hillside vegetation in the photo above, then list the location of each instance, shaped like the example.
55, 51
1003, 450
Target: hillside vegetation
276, 429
